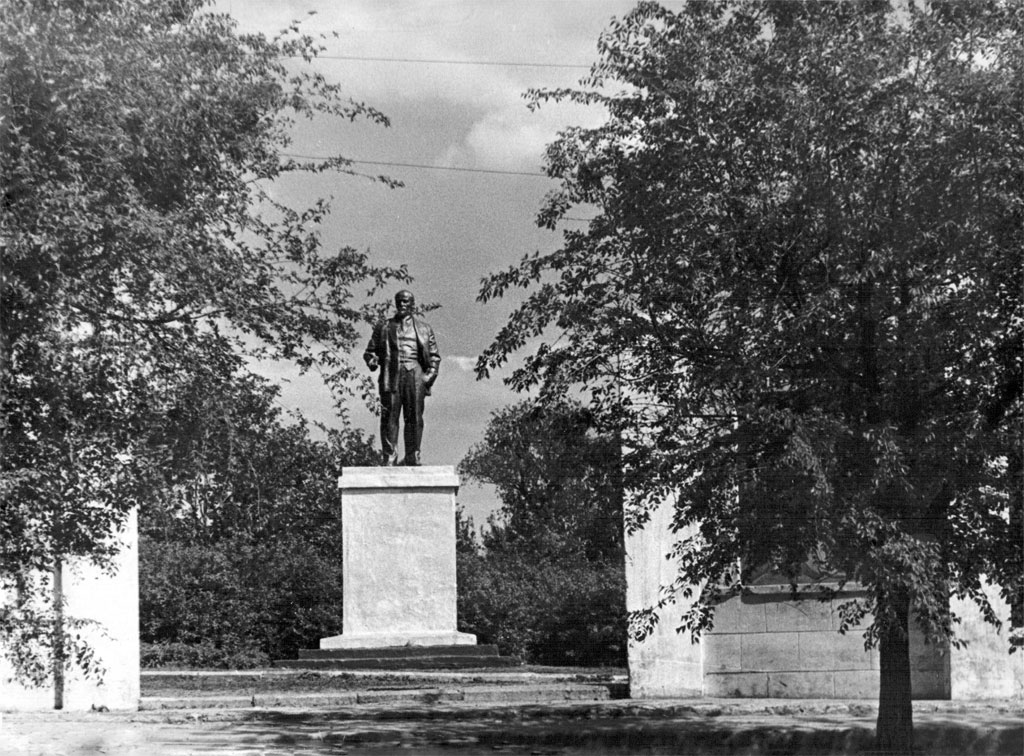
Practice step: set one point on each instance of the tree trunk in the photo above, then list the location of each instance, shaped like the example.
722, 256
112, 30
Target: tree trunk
57, 638
894, 731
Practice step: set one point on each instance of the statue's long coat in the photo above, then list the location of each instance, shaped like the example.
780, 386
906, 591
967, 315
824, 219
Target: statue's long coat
384, 346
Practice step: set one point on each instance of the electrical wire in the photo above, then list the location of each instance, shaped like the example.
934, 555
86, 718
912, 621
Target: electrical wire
419, 165
433, 168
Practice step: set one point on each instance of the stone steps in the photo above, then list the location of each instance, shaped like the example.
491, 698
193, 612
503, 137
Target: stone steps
400, 657
402, 652
424, 663
477, 694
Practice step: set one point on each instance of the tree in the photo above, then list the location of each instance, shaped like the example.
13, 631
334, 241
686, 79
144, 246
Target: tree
547, 583
64, 494
234, 464
799, 298
141, 245
558, 479
239, 551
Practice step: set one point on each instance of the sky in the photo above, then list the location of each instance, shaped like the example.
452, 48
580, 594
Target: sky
450, 227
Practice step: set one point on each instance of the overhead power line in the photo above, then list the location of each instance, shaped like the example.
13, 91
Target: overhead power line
435, 168
419, 165
452, 61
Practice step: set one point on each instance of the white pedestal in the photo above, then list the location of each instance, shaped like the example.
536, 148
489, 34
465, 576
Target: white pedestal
398, 557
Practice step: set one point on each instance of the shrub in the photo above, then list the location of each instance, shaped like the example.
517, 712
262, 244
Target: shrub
201, 655
543, 608
234, 601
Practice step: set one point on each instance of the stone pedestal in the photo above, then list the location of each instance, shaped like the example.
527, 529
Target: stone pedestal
398, 557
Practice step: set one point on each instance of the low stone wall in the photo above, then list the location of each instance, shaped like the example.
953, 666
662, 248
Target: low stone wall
766, 645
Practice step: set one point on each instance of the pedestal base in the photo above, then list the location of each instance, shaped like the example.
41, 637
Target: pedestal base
400, 658
386, 640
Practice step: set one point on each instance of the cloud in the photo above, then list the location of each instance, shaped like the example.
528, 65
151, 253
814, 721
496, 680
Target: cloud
502, 134
438, 30
513, 138
465, 364
451, 228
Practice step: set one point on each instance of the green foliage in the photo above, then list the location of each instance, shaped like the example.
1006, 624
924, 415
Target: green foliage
237, 601
143, 252
799, 298
29, 629
232, 463
802, 287
558, 478
543, 607
547, 582
202, 655
240, 556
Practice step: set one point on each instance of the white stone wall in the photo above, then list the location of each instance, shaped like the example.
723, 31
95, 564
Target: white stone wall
112, 601
666, 664
766, 645
985, 668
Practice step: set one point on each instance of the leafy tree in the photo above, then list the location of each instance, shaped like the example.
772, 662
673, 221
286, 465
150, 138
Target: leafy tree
239, 554
799, 298
544, 607
234, 464
547, 582
63, 494
558, 479
140, 245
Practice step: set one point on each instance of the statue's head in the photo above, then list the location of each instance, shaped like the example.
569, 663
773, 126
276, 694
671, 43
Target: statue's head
405, 302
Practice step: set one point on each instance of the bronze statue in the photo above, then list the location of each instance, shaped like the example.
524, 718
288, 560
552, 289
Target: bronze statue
404, 349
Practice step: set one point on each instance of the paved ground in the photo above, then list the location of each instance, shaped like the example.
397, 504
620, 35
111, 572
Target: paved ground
400, 715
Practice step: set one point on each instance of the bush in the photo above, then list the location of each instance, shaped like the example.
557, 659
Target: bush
203, 655
547, 580
543, 608
236, 600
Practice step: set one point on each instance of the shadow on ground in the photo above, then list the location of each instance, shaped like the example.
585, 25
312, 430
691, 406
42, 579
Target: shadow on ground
513, 730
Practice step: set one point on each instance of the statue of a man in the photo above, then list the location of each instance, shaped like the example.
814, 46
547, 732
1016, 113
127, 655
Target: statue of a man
404, 349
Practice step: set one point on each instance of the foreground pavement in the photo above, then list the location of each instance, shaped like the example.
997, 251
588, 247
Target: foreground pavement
614, 727
546, 711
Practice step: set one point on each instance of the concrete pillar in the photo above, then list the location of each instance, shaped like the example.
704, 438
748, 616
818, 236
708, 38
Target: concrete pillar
984, 668
398, 558
666, 664
110, 599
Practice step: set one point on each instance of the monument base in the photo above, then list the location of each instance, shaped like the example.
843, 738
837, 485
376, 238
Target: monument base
387, 640
398, 559
401, 658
